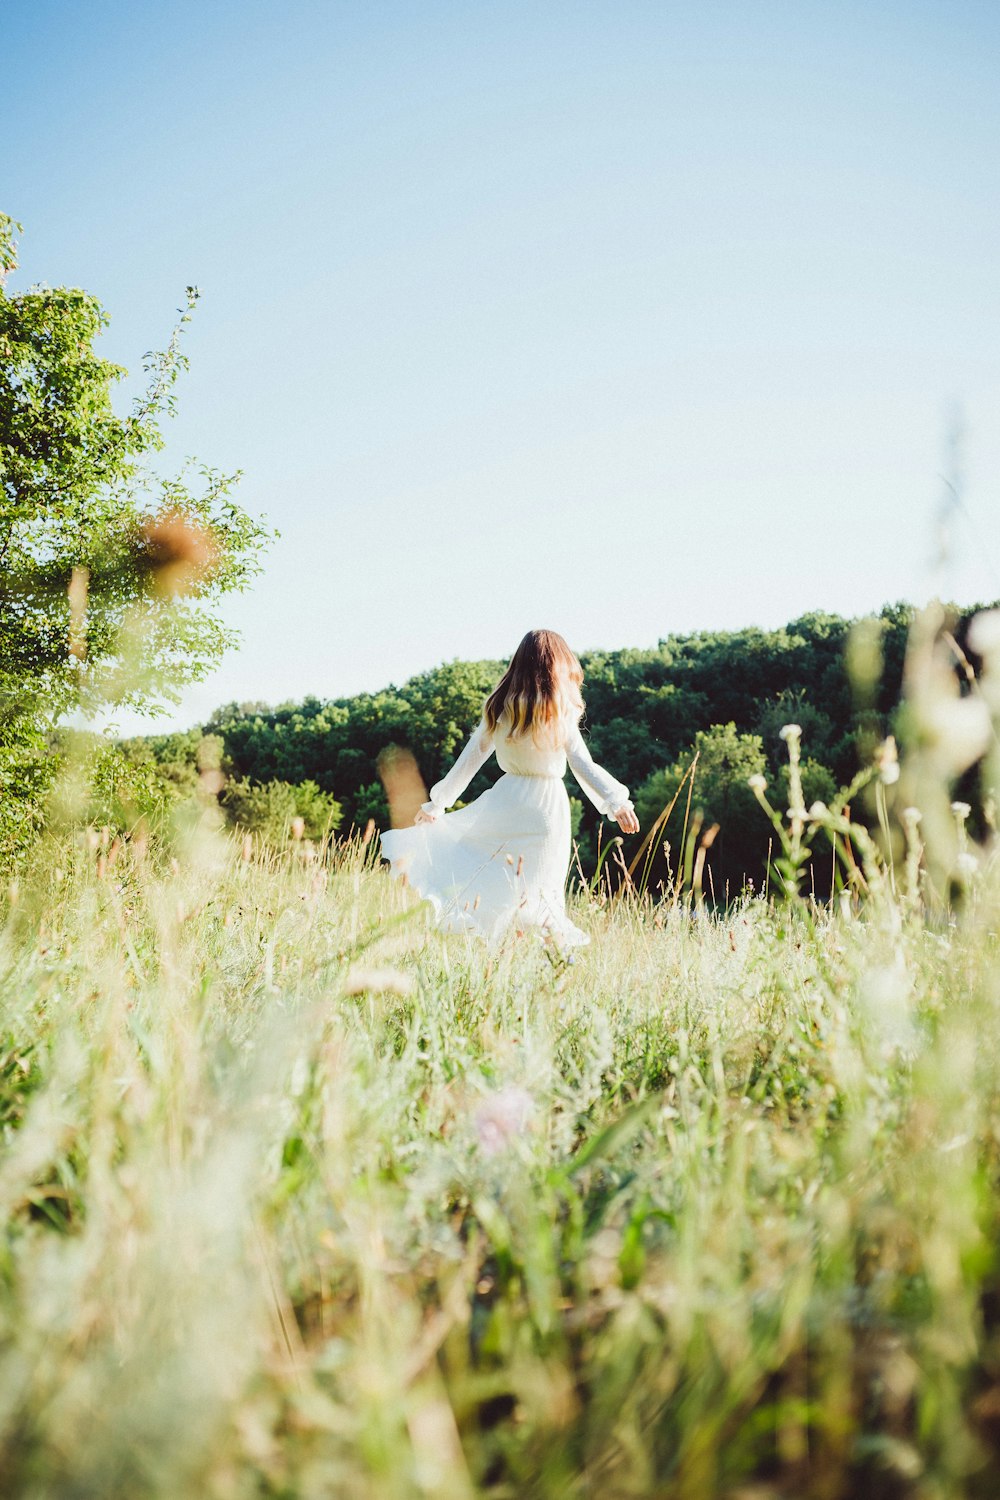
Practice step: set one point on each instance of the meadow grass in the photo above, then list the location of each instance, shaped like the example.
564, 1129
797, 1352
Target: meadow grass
302, 1198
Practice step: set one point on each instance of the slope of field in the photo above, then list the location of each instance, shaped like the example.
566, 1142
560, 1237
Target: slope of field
302, 1199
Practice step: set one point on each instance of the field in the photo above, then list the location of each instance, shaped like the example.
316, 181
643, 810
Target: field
303, 1199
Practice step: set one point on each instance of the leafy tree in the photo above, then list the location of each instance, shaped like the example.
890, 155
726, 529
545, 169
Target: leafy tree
107, 573
370, 803
794, 707
726, 760
272, 809
178, 760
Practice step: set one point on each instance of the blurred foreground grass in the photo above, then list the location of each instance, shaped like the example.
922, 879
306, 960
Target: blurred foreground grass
303, 1199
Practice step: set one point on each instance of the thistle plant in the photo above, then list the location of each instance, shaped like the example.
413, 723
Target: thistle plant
963, 728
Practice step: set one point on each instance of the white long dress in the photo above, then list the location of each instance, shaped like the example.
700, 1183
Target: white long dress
505, 857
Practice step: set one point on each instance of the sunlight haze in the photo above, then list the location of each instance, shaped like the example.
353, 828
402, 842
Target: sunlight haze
619, 319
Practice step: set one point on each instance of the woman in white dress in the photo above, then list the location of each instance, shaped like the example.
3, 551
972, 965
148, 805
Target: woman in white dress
503, 860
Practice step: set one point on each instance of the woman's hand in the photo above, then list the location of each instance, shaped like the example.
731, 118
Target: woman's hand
423, 817
626, 819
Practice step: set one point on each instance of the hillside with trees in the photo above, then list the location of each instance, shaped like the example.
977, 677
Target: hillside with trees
721, 696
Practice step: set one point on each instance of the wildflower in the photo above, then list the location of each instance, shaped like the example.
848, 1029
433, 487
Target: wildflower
961, 729
967, 863
501, 1117
984, 632
911, 816
887, 760
818, 811
961, 810
790, 732
886, 991
757, 783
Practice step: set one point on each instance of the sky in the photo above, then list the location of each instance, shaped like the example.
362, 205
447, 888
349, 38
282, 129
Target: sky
620, 318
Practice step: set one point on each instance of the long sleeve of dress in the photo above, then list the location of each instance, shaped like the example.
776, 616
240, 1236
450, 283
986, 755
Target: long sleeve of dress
609, 796
474, 756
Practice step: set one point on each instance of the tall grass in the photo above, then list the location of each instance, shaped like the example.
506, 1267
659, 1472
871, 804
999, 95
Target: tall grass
303, 1199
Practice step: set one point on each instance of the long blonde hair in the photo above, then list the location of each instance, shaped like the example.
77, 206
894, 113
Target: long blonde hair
539, 690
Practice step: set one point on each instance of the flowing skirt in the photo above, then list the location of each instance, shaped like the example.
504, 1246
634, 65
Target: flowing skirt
501, 862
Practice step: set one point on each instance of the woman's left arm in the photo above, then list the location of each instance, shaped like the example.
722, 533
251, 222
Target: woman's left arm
609, 796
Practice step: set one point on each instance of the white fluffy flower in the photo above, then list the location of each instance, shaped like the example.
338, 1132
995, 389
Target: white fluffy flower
887, 761
790, 732
984, 632
962, 729
886, 991
757, 782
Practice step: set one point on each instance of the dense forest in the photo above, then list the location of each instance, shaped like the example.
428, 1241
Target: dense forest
722, 696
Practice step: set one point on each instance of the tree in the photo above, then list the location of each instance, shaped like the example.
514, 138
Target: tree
273, 808
726, 760
794, 707
108, 573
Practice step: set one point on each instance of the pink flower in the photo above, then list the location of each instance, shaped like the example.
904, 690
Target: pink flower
501, 1117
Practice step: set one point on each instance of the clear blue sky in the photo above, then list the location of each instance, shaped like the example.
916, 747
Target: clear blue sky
620, 318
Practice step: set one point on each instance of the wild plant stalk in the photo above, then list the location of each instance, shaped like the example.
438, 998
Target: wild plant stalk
302, 1198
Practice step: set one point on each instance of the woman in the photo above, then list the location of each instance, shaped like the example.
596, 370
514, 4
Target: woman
503, 860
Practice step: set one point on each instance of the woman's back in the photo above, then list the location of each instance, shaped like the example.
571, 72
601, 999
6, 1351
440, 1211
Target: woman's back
519, 755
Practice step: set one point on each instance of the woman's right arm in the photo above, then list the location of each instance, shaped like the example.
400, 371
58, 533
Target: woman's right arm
443, 793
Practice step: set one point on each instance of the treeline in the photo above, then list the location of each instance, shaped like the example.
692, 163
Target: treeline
722, 695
